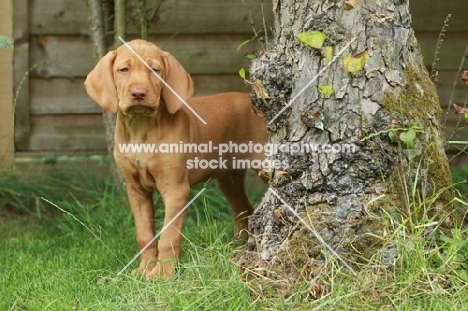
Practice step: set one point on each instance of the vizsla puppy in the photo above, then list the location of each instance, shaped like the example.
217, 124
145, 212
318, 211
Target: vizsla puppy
149, 113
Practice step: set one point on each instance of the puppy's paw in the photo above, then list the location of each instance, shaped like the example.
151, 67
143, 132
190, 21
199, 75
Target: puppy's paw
144, 269
163, 270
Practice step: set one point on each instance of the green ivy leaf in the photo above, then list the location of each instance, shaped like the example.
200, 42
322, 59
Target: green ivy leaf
325, 90
392, 136
242, 73
251, 56
314, 39
408, 138
355, 62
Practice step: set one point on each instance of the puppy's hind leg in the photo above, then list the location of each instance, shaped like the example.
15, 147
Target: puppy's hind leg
232, 186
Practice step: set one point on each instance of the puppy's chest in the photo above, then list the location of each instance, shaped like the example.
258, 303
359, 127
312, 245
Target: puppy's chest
140, 170
143, 172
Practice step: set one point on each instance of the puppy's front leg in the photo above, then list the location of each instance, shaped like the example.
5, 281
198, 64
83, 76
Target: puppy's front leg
169, 248
141, 202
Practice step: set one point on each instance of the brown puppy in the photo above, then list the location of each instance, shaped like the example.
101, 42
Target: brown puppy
148, 112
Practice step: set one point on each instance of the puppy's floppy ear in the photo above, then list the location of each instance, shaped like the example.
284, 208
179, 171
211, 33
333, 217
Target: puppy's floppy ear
179, 79
100, 84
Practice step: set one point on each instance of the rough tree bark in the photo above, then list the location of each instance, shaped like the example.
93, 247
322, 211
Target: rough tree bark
345, 196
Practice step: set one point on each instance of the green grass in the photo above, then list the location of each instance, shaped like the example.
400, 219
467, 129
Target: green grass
55, 260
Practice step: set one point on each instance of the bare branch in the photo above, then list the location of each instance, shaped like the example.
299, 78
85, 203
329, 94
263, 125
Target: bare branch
142, 13
96, 27
120, 21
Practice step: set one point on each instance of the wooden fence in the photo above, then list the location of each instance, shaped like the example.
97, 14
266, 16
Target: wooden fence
53, 55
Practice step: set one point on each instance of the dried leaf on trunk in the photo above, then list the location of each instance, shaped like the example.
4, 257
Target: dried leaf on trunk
394, 123
464, 76
283, 173
318, 117
459, 109
266, 176
260, 89
277, 214
349, 5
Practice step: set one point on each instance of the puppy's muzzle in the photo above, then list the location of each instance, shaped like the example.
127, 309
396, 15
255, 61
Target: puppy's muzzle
139, 102
138, 93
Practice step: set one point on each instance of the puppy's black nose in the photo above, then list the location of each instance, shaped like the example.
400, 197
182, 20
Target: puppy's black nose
138, 93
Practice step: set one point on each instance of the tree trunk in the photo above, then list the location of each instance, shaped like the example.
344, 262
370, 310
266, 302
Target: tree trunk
100, 23
345, 198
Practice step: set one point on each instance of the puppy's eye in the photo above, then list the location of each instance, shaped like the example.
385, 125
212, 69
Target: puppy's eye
156, 70
124, 69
